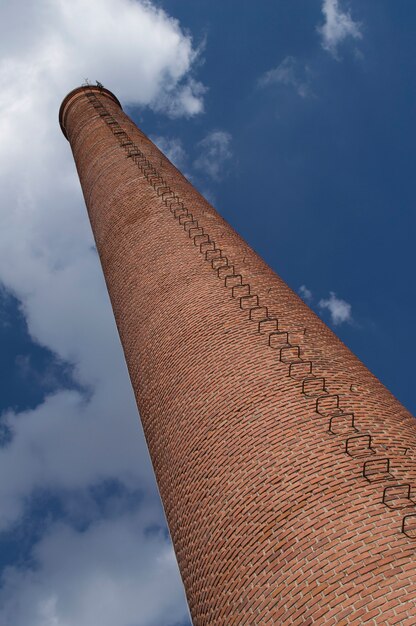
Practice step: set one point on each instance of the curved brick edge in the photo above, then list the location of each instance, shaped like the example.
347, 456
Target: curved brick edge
79, 92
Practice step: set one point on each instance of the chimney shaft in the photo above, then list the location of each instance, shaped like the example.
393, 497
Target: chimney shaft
285, 468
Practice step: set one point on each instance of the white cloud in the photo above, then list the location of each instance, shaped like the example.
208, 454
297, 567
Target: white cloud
69, 443
47, 256
337, 27
305, 293
172, 147
291, 73
186, 101
114, 572
340, 310
215, 153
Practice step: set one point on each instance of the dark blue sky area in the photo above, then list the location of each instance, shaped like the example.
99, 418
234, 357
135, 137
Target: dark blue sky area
28, 371
322, 186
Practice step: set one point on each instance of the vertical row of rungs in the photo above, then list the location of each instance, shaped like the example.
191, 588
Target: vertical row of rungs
357, 445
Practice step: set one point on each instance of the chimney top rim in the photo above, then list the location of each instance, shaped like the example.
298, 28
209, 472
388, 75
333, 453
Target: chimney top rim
81, 89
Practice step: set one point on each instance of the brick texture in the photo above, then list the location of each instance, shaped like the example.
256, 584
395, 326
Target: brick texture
286, 469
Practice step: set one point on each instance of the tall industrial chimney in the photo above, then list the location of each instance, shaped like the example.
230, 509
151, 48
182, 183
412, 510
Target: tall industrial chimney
286, 469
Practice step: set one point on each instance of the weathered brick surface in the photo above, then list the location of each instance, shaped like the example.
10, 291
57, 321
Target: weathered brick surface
272, 444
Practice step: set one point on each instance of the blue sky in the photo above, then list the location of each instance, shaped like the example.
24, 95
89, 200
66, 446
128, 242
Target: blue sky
295, 119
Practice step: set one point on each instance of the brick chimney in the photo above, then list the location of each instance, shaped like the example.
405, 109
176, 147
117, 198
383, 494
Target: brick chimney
286, 469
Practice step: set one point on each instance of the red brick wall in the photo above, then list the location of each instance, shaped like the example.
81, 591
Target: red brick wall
260, 423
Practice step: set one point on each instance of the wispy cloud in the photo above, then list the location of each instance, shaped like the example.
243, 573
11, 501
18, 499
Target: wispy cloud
172, 147
289, 72
305, 294
215, 154
337, 27
109, 573
340, 310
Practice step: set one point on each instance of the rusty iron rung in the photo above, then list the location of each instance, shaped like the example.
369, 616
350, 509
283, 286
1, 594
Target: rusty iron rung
237, 278
190, 224
279, 333
259, 309
179, 211
267, 320
342, 416
334, 410
209, 242
165, 187
317, 392
240, 288
162, 195
219, 261
298, 364
405, 518
390, 488
384, 470
175, 200
175, 206
200, 239
187, 215
190, 231
225, 270
356, 437
247, 299
296, 357
211, 255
